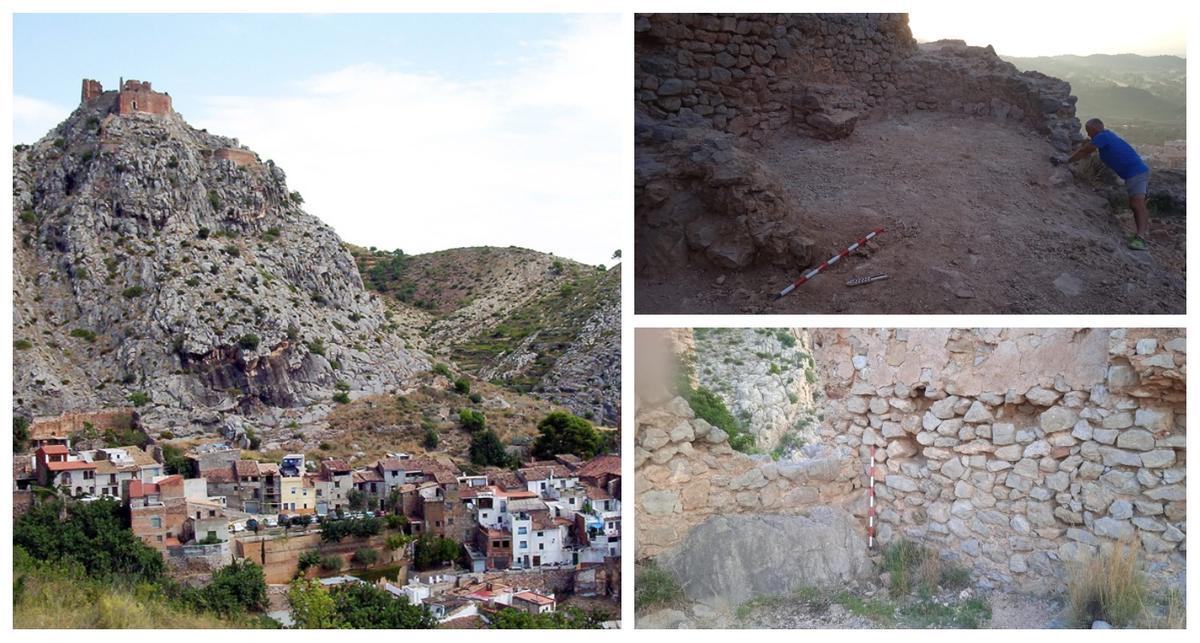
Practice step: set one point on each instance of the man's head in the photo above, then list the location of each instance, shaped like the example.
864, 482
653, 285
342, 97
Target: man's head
1093, 127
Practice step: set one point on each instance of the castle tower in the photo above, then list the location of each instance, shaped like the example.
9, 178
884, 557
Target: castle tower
91, 89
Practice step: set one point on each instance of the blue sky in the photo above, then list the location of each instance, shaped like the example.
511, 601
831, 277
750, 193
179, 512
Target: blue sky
415, 131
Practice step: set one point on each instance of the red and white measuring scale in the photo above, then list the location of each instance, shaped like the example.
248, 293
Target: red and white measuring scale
871, 502
832, 260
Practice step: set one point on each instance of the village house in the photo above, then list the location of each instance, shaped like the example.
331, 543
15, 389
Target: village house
335, 480
533, 602
58, 469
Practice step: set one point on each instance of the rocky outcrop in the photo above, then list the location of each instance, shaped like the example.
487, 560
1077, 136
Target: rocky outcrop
145, 264
728, 560
765, 376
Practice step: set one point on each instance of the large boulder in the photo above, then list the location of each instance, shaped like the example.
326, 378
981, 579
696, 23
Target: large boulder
731, 559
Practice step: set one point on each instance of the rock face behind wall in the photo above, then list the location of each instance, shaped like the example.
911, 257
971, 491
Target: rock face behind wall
1017, 451
765, 376
709, 87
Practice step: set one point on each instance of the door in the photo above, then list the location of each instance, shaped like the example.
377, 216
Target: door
537, 561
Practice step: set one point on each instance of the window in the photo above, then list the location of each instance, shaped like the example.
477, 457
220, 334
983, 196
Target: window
89, 475
156, 522
212, 513
521, 531
522, 545
541, 533
541, 546
159, 538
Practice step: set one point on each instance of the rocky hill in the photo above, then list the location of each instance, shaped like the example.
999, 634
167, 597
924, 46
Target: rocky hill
526, 320
162, 264
173, 270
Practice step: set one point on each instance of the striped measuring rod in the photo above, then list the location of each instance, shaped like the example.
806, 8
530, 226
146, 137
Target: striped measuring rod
832, 260
871, 503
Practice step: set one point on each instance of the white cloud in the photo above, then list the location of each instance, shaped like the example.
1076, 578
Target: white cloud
33, 117
419, 161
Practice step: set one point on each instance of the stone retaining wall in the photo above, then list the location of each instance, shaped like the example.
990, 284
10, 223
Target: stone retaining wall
1015, 451
686, 472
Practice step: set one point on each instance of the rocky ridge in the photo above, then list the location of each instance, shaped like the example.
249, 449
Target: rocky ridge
152, 264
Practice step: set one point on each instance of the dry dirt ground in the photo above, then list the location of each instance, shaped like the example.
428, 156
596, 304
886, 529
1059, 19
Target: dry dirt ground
1009, 611
977, 221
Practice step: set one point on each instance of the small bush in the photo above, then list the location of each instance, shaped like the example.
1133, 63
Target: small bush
331, 563
431, 438
442, 369
341, 397
462, 385
471, 420
1108, 587
365, 556
139, 398
249, 342
654, 587
310, 558
475, 398
22, 344
133, 291
214, 200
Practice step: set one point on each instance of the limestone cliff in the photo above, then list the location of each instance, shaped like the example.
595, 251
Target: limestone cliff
162, 264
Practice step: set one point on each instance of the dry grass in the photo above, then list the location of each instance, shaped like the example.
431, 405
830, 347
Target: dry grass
1108, 587
46, 598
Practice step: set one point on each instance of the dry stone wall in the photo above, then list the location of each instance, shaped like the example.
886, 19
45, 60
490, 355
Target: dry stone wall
686, 473
1013, 452
741, 72
1016, 451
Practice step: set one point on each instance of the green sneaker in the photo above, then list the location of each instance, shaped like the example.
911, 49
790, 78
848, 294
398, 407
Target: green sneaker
1136, 242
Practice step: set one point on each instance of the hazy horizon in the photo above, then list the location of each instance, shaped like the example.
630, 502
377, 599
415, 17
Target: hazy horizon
1058, 30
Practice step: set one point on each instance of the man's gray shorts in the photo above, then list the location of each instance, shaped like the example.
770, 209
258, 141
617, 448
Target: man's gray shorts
1136, 185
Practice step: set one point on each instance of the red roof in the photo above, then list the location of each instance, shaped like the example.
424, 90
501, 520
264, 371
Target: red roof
600, 465
54, 449
531, 597
73, 465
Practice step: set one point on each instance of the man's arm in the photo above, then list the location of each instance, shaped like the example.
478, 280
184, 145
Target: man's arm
1087, 148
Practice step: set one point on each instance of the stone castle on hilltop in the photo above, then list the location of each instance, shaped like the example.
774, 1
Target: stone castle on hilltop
134, 96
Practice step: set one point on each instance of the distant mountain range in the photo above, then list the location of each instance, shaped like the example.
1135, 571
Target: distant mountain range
1144, 98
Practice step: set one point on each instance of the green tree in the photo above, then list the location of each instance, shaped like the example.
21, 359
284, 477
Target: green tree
237, 587
432, 551
174, 461
431, 438
361, 606
571, 618
472, 420
355, 499
312, 607
92, 534
310, 558
487, 450
462, 385
21, 433
561, 432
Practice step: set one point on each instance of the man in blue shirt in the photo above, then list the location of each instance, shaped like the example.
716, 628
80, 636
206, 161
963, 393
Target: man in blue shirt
1124, 160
